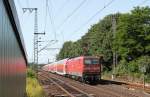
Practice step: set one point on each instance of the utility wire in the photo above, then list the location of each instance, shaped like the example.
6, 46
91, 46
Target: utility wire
143, 2
71, 14
51, 20
46, 46
93, 16
49, 10
46, 15
61, 8
63, 36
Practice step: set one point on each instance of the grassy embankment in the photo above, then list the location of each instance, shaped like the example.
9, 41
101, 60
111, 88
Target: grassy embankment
33, 87
134, 71
129, 77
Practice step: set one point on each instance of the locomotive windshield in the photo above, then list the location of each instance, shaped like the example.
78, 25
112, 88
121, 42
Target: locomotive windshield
91, 61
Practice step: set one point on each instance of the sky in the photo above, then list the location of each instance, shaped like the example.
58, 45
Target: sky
65, 20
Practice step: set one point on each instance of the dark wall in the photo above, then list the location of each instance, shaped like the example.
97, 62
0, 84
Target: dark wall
12, 54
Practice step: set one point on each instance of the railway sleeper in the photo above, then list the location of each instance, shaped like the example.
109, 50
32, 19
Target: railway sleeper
59, 95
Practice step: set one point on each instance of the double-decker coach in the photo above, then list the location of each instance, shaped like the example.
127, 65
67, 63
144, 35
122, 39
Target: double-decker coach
58, 67
83, 68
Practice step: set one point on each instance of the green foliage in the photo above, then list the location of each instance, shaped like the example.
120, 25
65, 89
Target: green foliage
131, 41
96, 42
122, 68
31, 73
70, 49
147, 79
132, 37
33, 87
144, 61
134, 68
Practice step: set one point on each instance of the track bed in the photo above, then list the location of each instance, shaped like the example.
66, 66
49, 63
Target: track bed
103, 89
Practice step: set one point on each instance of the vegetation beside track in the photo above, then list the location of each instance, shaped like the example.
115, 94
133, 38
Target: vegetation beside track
33, 87
130, 41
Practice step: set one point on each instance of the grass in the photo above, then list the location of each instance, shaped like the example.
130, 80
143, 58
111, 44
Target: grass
33, 87
132, 77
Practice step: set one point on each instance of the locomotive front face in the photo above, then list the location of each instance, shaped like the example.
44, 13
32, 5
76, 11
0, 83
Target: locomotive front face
91, 65
92, 69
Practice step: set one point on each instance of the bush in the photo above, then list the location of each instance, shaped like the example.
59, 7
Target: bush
147, 79
31, 73
122, 68
144, 61
33, 88
133, 68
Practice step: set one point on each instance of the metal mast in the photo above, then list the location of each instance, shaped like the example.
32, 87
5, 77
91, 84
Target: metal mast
114, 32
115, 56
36, 38
35, 43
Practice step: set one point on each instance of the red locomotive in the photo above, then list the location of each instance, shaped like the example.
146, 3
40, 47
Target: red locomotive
84, 68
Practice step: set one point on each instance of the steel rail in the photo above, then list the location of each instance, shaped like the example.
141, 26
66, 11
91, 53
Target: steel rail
80, 92
71, 91
58, 86
102, 90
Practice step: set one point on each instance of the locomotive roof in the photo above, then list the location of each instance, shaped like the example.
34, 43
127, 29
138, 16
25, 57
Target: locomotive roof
84, 57
90, 57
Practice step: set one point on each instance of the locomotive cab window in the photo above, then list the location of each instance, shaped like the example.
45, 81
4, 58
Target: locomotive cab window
95, 61
88, 61
91, 61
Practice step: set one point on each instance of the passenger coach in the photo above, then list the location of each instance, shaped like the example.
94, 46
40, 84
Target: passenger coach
83, 68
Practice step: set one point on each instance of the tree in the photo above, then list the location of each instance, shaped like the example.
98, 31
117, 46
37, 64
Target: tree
133, 34
131, 39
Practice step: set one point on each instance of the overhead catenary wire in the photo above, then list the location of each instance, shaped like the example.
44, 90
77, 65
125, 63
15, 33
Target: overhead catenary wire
46, 46
51, 20
49, 12
62, 34
61, 8
143, 2
93, 16
45, 23
71, 14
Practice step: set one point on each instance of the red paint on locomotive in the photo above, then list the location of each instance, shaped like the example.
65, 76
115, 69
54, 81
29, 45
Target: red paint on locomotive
85, 68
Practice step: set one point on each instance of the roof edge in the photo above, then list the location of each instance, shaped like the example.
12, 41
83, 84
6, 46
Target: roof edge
13, 17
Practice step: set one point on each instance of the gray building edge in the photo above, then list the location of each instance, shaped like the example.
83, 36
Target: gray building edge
13, 17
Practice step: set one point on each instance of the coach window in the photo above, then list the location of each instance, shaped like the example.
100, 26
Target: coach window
88, 61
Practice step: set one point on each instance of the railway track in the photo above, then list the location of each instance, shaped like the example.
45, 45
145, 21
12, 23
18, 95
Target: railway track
119, 90
77, 89
51, 90
101, 90
128, 89
92, 90
70, 91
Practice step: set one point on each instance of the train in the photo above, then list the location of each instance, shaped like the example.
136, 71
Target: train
13, 57
82, 68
